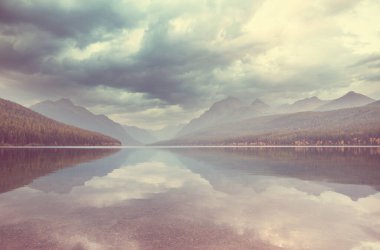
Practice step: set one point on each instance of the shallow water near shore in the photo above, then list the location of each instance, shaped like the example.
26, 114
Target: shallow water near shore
190, 198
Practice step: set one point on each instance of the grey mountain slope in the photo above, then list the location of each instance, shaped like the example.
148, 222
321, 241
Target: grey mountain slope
349, 100
224, 111
219, 111
307, 104
375, 103
141, 135
364, 119
66, 112
259, 105
20, 126
167, 133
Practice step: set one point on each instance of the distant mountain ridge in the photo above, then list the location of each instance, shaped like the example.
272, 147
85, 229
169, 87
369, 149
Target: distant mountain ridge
232, 121
21, 126
306, 104
353, 126
233, 109
149, 136
65, 111
141, 135
258, 104
167, 133
309, 120
226, 110
349, 100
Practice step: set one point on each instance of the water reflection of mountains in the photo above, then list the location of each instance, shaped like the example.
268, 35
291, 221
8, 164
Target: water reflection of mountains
19, 167
358, 166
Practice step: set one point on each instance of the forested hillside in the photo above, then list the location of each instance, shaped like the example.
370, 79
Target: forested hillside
65, 111
352, 126
22, 126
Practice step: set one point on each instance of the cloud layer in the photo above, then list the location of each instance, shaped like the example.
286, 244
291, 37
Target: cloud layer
131, 59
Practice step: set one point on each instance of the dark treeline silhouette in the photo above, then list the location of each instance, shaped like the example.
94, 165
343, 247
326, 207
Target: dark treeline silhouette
299, 138
19, 167
22, 126
306, 138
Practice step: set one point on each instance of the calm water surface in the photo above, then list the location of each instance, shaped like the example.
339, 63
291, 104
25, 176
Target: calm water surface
284, 198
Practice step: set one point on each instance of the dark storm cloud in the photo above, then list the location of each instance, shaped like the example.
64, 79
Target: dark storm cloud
26, 49
84, 22
175, 72
164, 68
160, 69
32, 34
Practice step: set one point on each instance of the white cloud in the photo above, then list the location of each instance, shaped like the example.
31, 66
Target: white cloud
89, 51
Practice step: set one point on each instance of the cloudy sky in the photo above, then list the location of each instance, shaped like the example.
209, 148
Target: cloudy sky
153, 63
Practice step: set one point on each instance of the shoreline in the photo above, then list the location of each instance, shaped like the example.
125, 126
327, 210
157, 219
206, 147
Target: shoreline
194, 146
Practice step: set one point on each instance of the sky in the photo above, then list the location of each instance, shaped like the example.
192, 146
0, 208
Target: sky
157, 63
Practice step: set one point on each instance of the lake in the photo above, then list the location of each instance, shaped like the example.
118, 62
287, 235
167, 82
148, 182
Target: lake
190, 198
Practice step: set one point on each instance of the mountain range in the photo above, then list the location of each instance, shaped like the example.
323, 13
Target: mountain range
227, 110
360, 125
168, 132
142, 135
352, 118
306, 104
65, 111
349, 100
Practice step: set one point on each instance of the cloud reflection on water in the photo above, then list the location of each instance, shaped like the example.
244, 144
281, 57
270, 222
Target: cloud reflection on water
161, 201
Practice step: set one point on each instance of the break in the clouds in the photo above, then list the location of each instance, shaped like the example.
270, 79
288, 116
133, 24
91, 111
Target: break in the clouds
160, 62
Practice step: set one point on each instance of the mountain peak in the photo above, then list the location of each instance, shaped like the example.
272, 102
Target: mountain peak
349, 100
260, 105
257, 101
307, 100
314, 98
65, 111
353, 94
230, 99
227, 102
307, 103
65, 101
